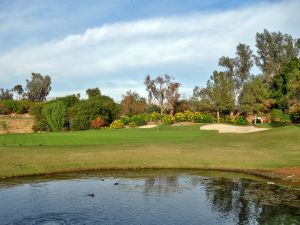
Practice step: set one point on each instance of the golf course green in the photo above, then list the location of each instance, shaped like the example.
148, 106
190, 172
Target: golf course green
161, 147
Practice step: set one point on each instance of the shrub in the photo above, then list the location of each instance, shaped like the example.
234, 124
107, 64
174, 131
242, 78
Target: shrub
155, 116
40, 123
188, 116
117, 124
240, 120
140, 120
126, 120
276, 115
295, 116
208, 118
168, 119
198, 117
179, 117
85, 111
3, 109
55, 113
97, 123
229, 119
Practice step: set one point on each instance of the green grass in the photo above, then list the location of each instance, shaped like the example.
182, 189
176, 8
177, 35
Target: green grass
163, 147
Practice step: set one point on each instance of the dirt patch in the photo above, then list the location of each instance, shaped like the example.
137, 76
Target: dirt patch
293, 172
16, 124
182, 124
225, 128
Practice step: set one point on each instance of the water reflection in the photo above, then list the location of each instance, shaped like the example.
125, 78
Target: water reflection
147, 198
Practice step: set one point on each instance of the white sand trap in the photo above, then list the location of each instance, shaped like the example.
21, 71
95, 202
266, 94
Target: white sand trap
224, 128
148, 126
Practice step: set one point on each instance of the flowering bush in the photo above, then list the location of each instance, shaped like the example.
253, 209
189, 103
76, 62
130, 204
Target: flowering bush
168, 119
117, 124
179, 117
188, 116
198, 117
155, 116
97, 123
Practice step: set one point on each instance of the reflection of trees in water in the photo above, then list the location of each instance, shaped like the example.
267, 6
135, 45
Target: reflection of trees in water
251, 203
161, 184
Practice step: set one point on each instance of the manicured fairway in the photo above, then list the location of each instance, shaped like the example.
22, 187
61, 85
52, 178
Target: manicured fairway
163, 147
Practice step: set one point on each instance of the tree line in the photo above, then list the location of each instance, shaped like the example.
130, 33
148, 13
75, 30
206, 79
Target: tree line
233, 91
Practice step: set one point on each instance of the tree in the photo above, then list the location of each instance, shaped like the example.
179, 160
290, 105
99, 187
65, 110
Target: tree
133, 104
5, 94
19, 90
254, 97
274, 48
285, 87
93, 92
163, 90
38, 87
219, 93
54, 113
238, 68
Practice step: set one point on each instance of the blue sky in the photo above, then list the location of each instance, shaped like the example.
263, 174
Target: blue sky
114, 44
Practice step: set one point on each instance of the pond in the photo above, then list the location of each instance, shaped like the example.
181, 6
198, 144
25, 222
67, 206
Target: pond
147, 197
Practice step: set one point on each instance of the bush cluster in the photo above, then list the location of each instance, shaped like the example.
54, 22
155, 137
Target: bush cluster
14, 106
277, 116
97, 123
240, 120
117, 124
168, 119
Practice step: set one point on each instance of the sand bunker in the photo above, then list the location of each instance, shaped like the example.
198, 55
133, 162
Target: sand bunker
148, 126
224, 128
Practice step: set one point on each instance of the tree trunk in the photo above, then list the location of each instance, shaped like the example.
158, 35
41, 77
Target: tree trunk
255, 118
218, 116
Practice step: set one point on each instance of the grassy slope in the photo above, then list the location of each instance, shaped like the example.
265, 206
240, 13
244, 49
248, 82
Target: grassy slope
165, 147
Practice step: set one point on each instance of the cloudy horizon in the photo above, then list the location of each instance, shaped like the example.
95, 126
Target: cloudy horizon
112, 47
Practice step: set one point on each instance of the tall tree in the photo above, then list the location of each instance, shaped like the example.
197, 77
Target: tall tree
255, 96
5, 94
133, 104
274, 48
238, 68
219, 93
93, 92
285, 88
19, 90
164, 90
38, 87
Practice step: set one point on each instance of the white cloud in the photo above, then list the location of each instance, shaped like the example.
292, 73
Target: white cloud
127, 48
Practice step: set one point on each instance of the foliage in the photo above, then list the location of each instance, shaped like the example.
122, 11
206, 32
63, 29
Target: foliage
150, 108
168, 119
229, 119
133, 104
276, 115
198, 117
240, 120
295, 116
126, 120
97, 123
274, 48
179, 117
254, 97
40, 123
14, 106
93, 92
117, 124
85, 111
54, 113
155, 116
38, 87
69, 100
189, 116
5, 94
208, 118
140, 120
164, 91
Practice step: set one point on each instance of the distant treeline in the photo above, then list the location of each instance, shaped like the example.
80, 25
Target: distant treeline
233, 92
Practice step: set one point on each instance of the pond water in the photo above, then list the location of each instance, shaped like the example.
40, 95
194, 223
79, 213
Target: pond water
147, 197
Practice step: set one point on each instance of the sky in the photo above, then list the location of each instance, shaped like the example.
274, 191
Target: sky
114, 44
